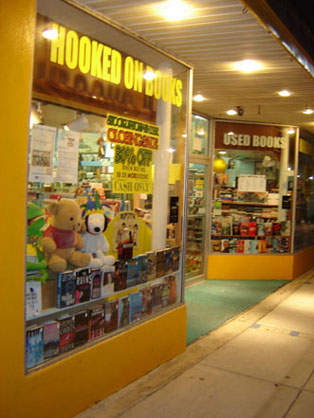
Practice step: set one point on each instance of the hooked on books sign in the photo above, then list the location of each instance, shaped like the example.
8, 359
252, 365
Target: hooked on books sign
134, 143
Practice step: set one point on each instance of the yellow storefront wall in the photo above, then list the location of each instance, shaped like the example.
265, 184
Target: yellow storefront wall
72, 384
259, 267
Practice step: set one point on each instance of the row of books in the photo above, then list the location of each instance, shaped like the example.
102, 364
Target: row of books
58, 336
251, 246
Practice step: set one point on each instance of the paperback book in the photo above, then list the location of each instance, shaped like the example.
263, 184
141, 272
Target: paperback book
81, 328
136, 306
147, 301
168, 261
96, 323
165, 294
33, 298
83, 286
160, 263
34, 346
108, 280
173, 289
67, 333
132, 272
142, 268
151, 265
111, 315
96, 283
120, 275
175, 258
157, 296
51, 339
124, 311
66, 289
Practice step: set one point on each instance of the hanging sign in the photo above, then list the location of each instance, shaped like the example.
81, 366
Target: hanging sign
134, 142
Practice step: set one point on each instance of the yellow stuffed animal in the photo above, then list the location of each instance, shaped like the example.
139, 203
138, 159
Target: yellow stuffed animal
61, 239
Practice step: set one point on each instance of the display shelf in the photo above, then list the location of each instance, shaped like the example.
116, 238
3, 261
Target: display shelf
232, 202
55, 313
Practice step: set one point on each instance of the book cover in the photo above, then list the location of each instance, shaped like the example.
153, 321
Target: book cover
81, 328
124, 311
168, 260
142, 268
160, 263
247, 246
67, 333
225, 247
262, 246
96, 323
96, 283
136, 306
83, 286
216, 245
240, 246
156, 294
226, 225
151, 265
147, 300
132, 272
173, 289
175, 258
33, 298
165, 294
244, 227
66, 289
283, 244
275, 243
111, 315
108, 280
120, 275
34, 346
51, 339
233, 245
254, 246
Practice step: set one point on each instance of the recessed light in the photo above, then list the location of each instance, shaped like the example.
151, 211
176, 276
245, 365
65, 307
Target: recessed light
222, 152
201, 132
171, 150
231, 112
198, 98
248, 66
149, 75
291, 131
284, 93
308, 111
174, 10
50, 34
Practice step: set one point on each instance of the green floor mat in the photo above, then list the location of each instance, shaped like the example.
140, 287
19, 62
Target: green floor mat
213, 302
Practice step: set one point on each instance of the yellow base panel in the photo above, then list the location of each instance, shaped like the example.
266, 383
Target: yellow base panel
76, 382
259, 267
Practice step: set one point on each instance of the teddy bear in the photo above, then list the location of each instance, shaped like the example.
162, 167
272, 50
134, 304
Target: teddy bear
61, 240
95, 243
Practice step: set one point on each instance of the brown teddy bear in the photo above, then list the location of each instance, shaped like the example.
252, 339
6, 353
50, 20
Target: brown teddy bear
61, 239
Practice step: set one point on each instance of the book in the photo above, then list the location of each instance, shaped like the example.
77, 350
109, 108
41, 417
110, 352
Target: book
96, 283
262, 246
247, 246
67, 333
33, 298
136, 306
226, 225
173, 288
142, 268
83, 286
124, 311
175, 258
51, 339
66, 289
34, 346
80, 328
233, 245
254, 246
225, 247
96, 323
168, 260
240, 246
108, 280
132, 272
165, 293
120, 275
216, 245
151, 265
147, 300
111, 309
160, 263
156, 294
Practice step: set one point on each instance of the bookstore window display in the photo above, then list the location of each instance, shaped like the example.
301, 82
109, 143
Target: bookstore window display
105, 195
252, 189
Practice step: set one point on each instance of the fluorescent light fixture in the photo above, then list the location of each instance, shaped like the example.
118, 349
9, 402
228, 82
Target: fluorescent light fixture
222, 152
201, 132
248, 66
184, 135
50, 34
174, 10
308, 111
311, 178
171, 150
149, 75
231, 112
198, 98
291, 131
284, 93
230, 133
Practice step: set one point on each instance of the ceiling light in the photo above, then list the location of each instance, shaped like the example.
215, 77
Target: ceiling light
291, 131
248, 66
77, 125
230, 133
171, 150
149, 75
231, 112
222, 152
284, 93
201, 132
198, 98
50, 33
174, 10
308, 111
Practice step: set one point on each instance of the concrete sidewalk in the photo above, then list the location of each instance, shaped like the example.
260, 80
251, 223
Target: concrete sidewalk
260, 364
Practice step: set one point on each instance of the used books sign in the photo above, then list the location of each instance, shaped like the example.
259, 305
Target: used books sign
133, 156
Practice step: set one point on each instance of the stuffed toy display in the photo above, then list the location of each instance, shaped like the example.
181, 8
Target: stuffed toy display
95, 243
61, 239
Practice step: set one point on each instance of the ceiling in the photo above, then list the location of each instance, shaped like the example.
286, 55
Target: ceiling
222, 32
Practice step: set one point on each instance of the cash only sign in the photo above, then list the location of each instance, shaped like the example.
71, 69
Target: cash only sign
134, 143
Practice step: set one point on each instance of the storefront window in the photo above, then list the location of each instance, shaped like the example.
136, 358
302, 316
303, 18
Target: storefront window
304, 220
105, 183
252, 188
199, 135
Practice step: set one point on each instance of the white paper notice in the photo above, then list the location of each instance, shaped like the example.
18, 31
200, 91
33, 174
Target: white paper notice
41, 155
67, 156
252, 183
